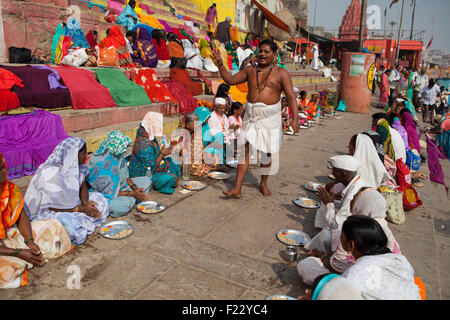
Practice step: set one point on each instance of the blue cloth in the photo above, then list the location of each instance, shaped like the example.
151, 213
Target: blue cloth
322, 283
128, 22
204, 114
146, 27
73, 30
121, 205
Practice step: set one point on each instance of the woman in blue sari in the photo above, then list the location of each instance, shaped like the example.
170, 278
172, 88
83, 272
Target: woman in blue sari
109, 175
72, 28
128, 17
213, 144
148, 155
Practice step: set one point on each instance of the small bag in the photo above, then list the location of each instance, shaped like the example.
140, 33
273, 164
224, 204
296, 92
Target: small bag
19, 55
413, 159
342, 106
394, 204
108, 57
75, 58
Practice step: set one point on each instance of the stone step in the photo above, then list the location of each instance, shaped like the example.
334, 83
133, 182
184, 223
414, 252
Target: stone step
95, 137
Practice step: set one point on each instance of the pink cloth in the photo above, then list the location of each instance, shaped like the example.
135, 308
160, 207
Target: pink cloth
384, 91
115, 7
86, 92
211, 14
232, 121
433, 155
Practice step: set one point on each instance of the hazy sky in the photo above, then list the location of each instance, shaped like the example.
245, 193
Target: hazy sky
329, 14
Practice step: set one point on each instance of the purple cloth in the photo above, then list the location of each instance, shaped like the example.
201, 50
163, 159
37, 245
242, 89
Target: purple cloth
433, 155
411, 129
144, 52
400, 129
53, 78
27, 140
166, 25
36, 91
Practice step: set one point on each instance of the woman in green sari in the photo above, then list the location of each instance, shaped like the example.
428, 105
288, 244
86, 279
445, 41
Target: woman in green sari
409, 76
383, 130
147, 155
58, 33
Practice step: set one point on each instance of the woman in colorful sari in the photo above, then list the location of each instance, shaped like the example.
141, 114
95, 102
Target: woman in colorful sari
148, 155
192, 54
442, 132
59, 190
223, 53
24, 243
175, 47
331, 286
410, 81
117, 40
144, 52
109, 175
128, 17
384, 89
179, 73
58, 33
206, 52
213, 143
234, 57
410, 126
382, 128
73, 28
92, 38
161, 49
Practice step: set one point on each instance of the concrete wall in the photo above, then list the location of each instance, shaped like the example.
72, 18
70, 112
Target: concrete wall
3, 57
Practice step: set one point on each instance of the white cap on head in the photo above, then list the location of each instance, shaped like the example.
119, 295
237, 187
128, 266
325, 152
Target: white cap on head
296, 89
220, 101
345, 162
400, 100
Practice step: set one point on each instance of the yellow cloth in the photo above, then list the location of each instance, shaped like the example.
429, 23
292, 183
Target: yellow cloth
151, 21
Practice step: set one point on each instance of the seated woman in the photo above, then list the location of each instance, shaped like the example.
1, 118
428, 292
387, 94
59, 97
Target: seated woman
148, 155
161, 49
377, 272
192, 143
73, 29
410, 126
442, 132
223, 91
92, 38
179, 73
192, 55
109, 175
128, 17
331, 286
117, 40
213, 143
144, 52
24, 244
206, 52
59, 190
311, 107
175, 47
235, 119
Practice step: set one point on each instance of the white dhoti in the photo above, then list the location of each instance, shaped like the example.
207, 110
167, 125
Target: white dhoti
261, 127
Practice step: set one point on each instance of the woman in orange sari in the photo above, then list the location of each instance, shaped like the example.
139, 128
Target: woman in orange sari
117, 40
174, 46
179, 73
24, 244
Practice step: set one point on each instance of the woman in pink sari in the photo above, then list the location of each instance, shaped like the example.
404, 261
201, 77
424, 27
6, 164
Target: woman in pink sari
384, 88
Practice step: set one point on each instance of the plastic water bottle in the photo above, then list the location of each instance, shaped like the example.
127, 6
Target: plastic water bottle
186, 174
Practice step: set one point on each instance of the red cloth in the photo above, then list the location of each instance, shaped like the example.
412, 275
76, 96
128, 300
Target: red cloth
178, 33
8, 80
8, 100
117, 40
156, 91
90, 39
181, 75
161, 49
86, 92
187, 102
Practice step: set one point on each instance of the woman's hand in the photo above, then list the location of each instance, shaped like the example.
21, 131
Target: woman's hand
166, 151
91, 210
31, 257
139, 194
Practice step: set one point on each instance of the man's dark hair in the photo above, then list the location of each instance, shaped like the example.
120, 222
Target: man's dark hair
132, 34
380, 115
132, 2
404, 111
272, 45
431, 82
367, 234
237, 42
94, 32
246, 46
222, 90
302, 93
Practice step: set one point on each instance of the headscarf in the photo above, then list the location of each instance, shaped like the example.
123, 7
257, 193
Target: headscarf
11, 202
204, 48
73, 19
57, 181
398, 126
372, 169
153, 124
117, 40
107, 166
335, 287
377, 142
383, 130
90, 39
410, 127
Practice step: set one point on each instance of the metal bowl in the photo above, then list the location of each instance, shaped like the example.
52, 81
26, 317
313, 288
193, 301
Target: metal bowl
306, 203
116, 230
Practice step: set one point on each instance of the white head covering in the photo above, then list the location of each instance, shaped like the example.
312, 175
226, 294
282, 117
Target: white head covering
372, 169
153, 124
220, 101
296, 90
340, 288
345, 162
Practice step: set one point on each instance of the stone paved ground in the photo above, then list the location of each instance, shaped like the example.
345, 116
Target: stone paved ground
206, 247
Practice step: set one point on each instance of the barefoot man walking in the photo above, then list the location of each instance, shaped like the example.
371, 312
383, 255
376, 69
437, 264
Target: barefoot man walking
261, 126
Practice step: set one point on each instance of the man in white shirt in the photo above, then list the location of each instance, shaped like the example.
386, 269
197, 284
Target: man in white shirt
130, 37
428, 95
393, 81
420, 81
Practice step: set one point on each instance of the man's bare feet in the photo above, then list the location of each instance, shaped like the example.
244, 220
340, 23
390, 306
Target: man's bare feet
265, 191
232, 193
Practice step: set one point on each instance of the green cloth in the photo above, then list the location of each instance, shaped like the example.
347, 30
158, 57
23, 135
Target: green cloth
123, 91
410, 86
116, 143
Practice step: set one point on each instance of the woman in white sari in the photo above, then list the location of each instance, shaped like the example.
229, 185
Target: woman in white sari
192, 54
59, 190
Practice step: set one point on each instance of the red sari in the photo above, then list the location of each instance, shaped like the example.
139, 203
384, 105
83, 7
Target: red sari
384, 91
181, 75
161, 49
117, 40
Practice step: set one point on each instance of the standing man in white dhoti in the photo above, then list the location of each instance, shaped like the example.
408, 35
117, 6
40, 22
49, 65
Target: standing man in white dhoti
315, 59
262, 119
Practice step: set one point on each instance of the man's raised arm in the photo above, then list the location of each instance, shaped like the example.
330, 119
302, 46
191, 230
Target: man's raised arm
238, 78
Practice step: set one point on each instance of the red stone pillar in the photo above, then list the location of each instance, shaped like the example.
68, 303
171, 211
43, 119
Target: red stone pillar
353, 87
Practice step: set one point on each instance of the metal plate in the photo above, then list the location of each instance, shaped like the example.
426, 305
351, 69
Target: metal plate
218, 175
313, 186
150, 207
193, 185
331, 177
280, 297
112, 230
289, 133
306, 203
293, 237
232, 163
